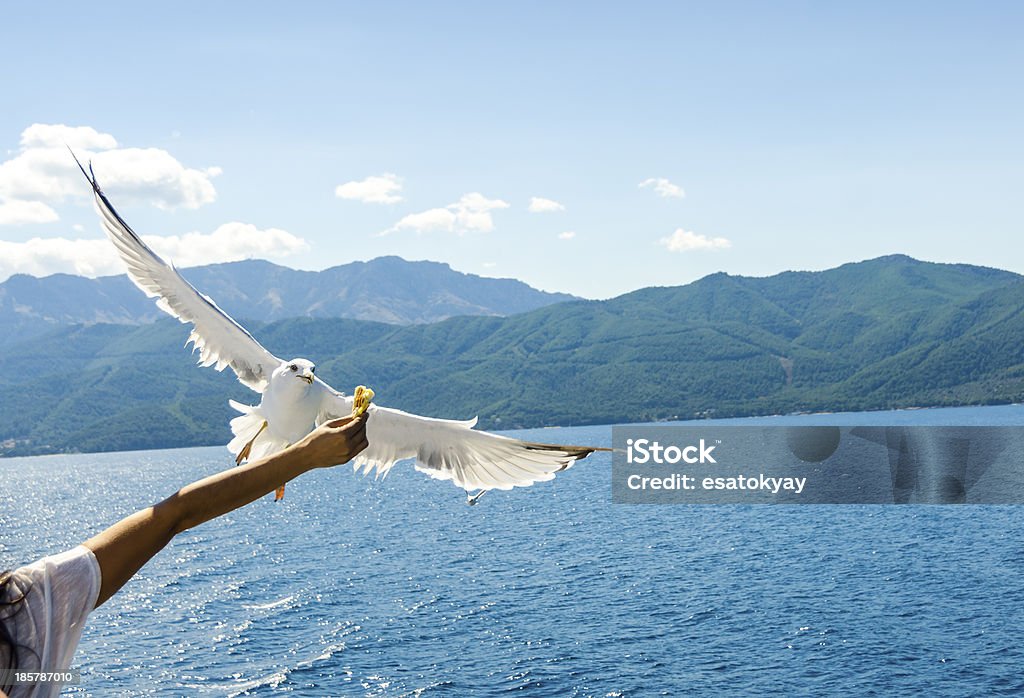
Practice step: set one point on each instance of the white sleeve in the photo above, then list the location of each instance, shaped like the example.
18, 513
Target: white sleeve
59, 593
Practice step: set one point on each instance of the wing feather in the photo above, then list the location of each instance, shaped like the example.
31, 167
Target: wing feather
451, 450
220, 341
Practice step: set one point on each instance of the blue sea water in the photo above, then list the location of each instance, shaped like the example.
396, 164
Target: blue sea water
351, 587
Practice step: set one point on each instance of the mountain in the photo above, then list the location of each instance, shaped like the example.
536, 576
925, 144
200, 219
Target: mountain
386, 289
885, 333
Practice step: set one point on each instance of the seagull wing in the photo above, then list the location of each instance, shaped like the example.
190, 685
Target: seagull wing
451, 450
220, 340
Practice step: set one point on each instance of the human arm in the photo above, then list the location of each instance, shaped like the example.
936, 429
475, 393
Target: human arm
122, 549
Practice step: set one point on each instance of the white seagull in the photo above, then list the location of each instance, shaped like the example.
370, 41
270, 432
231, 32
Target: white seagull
294, 401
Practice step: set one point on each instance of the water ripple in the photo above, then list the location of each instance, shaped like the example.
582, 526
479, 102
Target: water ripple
396, 588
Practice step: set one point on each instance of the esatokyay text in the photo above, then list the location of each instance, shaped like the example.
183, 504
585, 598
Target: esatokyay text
677, 481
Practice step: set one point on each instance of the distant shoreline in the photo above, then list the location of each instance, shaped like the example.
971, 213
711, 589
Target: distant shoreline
861, 413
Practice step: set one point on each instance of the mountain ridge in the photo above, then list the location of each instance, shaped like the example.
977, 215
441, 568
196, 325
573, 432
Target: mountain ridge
385, 289
880, 334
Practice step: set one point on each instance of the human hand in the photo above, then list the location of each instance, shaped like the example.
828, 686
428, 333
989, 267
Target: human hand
334, 442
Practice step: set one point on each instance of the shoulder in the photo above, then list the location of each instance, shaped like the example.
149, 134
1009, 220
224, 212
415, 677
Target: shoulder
50, 600
78, 561
70, 578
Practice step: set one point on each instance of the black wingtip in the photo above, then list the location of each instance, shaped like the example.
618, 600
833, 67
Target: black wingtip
90, 176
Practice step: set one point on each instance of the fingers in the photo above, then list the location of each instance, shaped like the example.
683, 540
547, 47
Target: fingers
337, 441
358, 427
360, 436
354, 432
343, 421
360, 446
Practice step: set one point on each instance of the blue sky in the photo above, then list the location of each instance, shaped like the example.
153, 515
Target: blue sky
801, 135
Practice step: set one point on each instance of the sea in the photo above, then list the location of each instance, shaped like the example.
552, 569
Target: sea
356, 587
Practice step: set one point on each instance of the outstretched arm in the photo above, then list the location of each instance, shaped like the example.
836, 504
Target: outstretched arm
125, 547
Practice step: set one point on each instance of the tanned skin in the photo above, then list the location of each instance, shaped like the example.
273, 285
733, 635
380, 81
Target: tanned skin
125, 547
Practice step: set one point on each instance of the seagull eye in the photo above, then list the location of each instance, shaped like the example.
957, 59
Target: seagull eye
294, 367
312, 369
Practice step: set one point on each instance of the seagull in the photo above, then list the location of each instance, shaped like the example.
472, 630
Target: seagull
294, 400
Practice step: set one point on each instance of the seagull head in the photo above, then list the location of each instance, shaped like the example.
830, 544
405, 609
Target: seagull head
301, 369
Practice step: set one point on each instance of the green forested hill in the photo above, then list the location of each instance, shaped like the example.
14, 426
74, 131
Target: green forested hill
890, 332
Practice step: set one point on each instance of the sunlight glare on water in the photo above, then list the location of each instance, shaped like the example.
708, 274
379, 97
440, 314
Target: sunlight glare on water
390, 588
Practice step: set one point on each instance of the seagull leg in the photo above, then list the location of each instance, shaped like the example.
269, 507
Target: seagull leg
279, 492
471, 499
247, 449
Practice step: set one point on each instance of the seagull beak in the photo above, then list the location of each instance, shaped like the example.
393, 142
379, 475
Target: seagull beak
308, 377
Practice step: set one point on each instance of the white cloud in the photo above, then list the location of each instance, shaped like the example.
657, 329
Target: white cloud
567, 235
59, 136
685, 240
471, 213
490, 265
542, 205
153, 175
425, 221
43, 256
22, 212
229, 242
43, 172
380, 189
663, 188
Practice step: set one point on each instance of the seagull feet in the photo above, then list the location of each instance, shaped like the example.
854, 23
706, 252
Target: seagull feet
279, 492
247, 449
471, 499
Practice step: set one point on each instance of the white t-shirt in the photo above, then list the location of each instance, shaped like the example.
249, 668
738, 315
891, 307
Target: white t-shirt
60, 592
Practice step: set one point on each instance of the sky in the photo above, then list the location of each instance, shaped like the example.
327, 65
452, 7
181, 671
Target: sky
588, 148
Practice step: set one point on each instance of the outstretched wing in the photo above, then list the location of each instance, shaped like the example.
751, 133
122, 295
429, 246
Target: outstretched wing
220, 340
451, 450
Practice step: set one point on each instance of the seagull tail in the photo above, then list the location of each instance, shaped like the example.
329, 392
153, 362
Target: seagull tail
239, 407
245, 428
